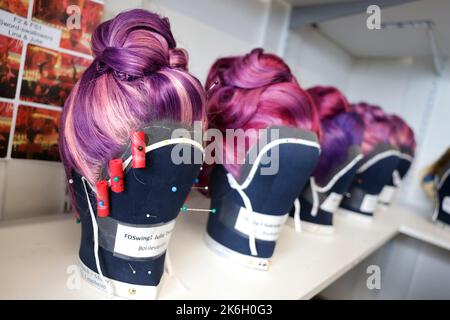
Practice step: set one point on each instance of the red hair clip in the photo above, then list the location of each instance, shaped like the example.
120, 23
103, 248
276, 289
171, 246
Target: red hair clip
116, 175
138, 149
102, 198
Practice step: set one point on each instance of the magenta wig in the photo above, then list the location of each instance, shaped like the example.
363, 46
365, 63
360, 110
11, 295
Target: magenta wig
256, 91
329, 101
402, 136
341, 130
377, 126
138, 76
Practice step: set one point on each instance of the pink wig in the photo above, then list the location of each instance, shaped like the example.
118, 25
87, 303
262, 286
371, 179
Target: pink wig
138, 76
256, 91
341, 130
329, 101
377, 126
402, 136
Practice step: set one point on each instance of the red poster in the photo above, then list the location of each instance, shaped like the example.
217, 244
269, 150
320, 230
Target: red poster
54, 13
19, 7
10, 52
53, 58
49, 75
36, 134
6, 112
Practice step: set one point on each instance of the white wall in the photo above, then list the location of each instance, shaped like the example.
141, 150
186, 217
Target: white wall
316, 60
277, 27
32, 188
411, 89
113, 7
203, 27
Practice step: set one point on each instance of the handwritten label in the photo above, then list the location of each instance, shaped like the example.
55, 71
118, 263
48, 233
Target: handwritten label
143, 242
22, 29
267, 227
369, 203
93, 277
332, 202
446, 204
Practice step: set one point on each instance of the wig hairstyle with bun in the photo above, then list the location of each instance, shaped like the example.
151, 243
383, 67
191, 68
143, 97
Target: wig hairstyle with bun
255, 91
138, 76
340, 130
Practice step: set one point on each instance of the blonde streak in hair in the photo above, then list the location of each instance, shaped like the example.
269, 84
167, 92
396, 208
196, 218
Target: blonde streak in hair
71, 140
196, 84
102, 108
112, 111
185, 101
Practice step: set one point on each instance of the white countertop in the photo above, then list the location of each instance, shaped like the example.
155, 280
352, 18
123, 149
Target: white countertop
37, 254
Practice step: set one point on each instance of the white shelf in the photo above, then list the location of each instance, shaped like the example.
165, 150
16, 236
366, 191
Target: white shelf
36, 254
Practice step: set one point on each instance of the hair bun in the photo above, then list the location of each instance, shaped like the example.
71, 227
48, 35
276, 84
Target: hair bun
137, 43
130, 62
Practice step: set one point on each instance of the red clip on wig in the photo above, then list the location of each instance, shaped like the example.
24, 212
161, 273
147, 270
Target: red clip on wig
102, 198
138, 149
116, 175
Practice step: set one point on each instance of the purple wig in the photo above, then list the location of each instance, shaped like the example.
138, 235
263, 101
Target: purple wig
341, 130
138, 76
377, 126
402, 136
256, 91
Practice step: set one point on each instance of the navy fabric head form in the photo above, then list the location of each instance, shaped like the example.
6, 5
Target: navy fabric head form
229, 229
133, 239
374, 172
443, 197
389, 190
319, 203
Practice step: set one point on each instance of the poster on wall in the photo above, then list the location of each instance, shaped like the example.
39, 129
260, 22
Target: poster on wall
36, 134
19, 7
44, 49
10, 54
49, 75
54, 13
6, 112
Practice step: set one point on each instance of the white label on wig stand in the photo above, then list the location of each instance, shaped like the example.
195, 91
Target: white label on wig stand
267, 227
332, 202
369, 203
387, 194
446, 204
143, 242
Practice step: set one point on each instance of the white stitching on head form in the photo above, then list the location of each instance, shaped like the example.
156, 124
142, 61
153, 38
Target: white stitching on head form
164, 143
269, 146
376, 158
339, 175
406, 156
444, 177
